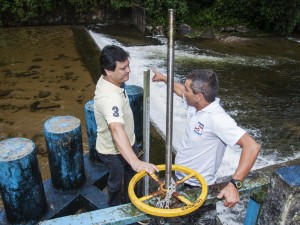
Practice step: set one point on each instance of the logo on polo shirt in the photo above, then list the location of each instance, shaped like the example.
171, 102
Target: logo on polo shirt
199, 128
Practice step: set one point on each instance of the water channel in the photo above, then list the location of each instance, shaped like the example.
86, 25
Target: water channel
259, 85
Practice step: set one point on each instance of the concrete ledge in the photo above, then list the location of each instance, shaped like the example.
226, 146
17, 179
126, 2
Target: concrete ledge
124, 214
282, 202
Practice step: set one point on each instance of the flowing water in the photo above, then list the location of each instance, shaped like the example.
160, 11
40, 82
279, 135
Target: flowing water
259, 86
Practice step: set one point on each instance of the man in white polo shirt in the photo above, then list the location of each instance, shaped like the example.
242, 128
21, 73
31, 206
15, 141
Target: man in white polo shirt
115, 142
208, 131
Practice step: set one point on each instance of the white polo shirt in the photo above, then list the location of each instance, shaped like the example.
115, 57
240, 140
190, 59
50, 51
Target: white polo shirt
205, 138
111, 104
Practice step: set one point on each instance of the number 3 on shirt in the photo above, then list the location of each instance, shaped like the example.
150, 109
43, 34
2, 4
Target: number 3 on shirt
115, 110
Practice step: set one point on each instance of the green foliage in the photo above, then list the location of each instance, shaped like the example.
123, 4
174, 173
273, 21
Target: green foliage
157, 10
18, 10
82, 6
279, 16
118, 4
233, 12
276, 16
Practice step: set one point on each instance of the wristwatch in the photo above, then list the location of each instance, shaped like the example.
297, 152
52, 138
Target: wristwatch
237, 183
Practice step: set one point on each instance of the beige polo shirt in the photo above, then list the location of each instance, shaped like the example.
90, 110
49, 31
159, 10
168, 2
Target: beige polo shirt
111, 104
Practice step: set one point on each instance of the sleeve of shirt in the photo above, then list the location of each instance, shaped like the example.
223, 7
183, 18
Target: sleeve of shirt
111, 108
227, 129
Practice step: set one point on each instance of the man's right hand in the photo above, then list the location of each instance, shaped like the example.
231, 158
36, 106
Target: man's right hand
158, 76
230, 194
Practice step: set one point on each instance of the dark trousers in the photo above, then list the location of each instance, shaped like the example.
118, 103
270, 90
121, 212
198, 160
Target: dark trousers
120, 174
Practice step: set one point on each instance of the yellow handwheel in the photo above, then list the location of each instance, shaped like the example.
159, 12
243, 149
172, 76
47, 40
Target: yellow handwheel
186, 209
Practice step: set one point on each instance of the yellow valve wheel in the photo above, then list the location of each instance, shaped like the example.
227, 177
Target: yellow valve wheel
161, 212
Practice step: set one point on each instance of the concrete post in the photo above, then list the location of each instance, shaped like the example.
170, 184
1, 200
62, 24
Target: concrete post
65, 152
91, 129
135, 95
282, 204
21, 184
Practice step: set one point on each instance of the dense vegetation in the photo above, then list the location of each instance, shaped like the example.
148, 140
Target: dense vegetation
277, 16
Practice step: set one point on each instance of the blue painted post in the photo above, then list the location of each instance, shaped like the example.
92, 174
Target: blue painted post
135, 95
252, 212
65, 152
91, 129
21, 184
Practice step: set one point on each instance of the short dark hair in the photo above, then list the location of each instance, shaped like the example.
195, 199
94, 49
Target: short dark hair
204, 81
109, 56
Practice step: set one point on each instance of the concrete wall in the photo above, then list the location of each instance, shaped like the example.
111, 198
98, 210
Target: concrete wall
139, 18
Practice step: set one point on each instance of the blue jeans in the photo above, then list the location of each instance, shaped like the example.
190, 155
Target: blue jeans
120, 174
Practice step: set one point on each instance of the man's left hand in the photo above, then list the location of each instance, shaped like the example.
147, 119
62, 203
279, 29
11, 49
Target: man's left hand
230, 194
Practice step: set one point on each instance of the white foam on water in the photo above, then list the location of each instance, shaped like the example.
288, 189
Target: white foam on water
294, 39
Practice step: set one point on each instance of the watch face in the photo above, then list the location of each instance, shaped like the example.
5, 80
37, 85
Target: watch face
238, 184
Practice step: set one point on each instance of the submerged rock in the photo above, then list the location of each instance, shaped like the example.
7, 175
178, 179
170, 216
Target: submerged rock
37, 105
208, 34
44, 94
4, 93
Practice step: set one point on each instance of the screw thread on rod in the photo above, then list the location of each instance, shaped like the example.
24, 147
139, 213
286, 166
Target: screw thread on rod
170, 72
146, 123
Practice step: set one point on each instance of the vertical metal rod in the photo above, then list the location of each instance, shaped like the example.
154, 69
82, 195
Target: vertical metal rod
170, 72
146, 125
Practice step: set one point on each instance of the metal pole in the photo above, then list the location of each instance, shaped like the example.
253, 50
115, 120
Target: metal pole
170, 72
146, 123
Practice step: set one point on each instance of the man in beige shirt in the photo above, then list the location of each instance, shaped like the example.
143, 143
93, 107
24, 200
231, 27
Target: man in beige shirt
115, 125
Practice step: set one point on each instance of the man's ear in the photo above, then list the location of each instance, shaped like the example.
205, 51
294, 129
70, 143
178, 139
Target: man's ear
107, 72
200, 96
